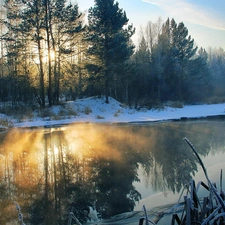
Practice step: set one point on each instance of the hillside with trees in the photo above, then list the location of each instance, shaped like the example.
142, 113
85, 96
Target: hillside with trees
50, 52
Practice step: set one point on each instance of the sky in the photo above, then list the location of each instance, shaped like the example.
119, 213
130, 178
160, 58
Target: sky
205, 19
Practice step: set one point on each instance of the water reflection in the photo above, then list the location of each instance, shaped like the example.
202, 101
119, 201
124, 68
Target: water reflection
54, 171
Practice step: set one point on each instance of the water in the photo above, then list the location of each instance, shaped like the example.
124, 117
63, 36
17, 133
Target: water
114, 168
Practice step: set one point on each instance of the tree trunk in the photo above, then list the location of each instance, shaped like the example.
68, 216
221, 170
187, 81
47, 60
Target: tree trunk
47, 22
106, 89
42, 85
46, 137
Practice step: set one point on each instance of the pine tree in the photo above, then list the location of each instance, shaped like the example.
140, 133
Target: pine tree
65, 30
161, 61
216, 63
172, 57
183, 50
15, 50
51, 28
199, 82
110, 40
142, 83
33, 25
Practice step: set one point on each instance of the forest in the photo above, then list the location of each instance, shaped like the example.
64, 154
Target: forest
51, 52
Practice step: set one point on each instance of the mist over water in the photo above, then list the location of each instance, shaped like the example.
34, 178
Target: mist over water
51, 172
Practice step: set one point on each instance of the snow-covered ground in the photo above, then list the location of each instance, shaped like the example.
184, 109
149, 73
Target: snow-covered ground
95, 110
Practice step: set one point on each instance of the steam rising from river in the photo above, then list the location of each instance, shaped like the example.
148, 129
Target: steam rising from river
23, 151
49, 162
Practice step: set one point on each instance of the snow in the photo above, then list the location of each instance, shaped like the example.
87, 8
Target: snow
95, 110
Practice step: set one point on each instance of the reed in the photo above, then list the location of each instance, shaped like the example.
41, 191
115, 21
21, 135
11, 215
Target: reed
209, 210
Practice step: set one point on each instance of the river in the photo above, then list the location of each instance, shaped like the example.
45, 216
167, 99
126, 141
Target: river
113, 168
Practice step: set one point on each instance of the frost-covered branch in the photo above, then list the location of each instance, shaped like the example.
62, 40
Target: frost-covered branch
20, 215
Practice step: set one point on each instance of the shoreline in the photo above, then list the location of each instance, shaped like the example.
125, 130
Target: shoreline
143, 122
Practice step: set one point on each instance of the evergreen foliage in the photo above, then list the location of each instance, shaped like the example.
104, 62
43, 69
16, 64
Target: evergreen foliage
176, 68
109, 39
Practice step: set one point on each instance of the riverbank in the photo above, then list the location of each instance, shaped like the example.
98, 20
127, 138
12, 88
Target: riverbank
95, 110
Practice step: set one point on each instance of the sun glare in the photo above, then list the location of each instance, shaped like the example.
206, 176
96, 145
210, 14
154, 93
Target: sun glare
45, 56
56, 150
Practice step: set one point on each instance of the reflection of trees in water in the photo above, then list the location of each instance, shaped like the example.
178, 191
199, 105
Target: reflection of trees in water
174, 163
217, 142
67, 171
62, 171
18, 179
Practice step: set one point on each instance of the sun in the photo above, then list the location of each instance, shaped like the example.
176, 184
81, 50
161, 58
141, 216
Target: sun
45, 56
56, 150
52, 54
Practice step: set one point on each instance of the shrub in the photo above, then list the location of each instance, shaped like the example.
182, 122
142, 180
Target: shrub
175, 104
118, 112
100, 117
6, 122
71, 111
87, 110
215, 100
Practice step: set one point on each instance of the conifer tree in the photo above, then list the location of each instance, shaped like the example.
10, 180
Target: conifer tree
142, 83
172, 57
109, 38
161, 61
65, 30
51, 28
183, 50
199, 80
15, 51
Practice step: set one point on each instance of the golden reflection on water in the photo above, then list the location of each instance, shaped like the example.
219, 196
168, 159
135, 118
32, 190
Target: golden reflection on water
23, 152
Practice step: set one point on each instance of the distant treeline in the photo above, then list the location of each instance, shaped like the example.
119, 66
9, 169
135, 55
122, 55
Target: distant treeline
50, 51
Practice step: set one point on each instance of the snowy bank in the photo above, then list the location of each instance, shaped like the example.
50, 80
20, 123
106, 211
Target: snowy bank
95, 110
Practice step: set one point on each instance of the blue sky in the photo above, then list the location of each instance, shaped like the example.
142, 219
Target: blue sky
205, 19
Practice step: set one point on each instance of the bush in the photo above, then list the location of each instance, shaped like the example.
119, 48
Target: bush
5, 122
45, 113
70, 110
215, 100
175, 104
87, 110
118, 112
100, 117
19, 112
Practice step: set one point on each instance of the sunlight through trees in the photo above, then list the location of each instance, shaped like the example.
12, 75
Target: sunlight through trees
50, 52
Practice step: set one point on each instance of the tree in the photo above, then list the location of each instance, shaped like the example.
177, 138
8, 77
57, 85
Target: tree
65, 36
2, 31
49, 31
161, 60
171, 58
142, 81
69, 49
216, 62
183, 50
199, 82
109, 39
152, 32
33, 25
14, 51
